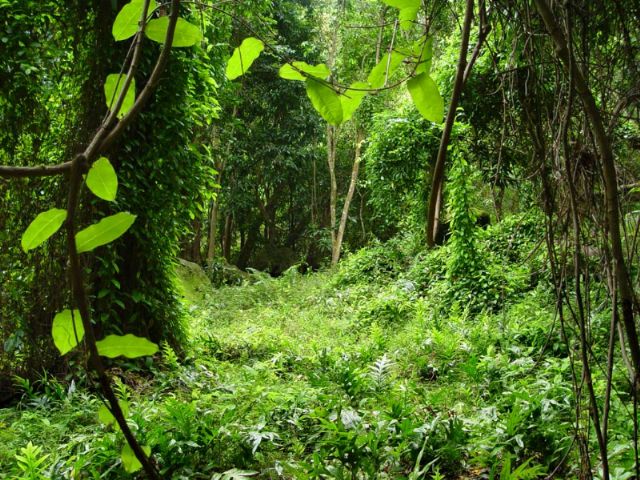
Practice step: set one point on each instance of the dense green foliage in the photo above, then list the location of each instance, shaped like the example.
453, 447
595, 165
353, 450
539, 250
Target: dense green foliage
354, 373
46, 104
317, 239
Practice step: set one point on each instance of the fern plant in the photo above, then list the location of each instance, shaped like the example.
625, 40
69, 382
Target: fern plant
380, 372
523, 472
169, 356
234, 474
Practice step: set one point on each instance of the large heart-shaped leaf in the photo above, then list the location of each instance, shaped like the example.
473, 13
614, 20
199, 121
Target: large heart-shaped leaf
102, 180
400, 4
384, 69
103, 232
408, 11
130, 462
127, 345
243, 57
292, 71
112, 88
126, 23
65, 338
352, 98
43, 226
325, 100
186, 34
407, 17
426, 97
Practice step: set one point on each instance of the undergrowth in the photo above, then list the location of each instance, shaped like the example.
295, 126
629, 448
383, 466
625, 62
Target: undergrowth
377, 370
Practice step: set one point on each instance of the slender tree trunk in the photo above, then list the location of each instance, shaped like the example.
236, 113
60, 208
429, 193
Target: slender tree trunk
333, 196
213, 214
332, 132
463, 72
337, 245
194, 250
213, 218
226, 240
383, 12
314, 193
213, 230
435, 199
499, 201
269, 209
249, 244
364, 231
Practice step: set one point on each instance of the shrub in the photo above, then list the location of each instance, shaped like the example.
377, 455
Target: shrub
378, 263
391, 308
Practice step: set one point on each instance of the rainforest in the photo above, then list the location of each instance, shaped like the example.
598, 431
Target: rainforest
319, 239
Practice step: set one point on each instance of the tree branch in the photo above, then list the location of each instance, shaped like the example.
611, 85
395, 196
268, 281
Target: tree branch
9, 171
609, 174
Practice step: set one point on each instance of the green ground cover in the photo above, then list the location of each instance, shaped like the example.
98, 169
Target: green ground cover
357, 373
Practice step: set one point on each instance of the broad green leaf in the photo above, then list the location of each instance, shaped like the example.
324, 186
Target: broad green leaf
408, 11
319, 71
127, 345
130, 462
43, 226
423, 52
291, 71
112, 88
325, 100
407, 17
379, 73
126, 23
426, 97
106, 417
102, 180
401, 4
351, 99
103, 232
186, 34
64, 336
506, 467
243, 57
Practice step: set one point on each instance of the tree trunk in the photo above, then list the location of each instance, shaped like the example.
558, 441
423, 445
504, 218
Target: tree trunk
435, 199
213, 230
249, 244
462, 74
333, 196
194, 250
498, 202
226, 239
314, 194
337, 245
215, 206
